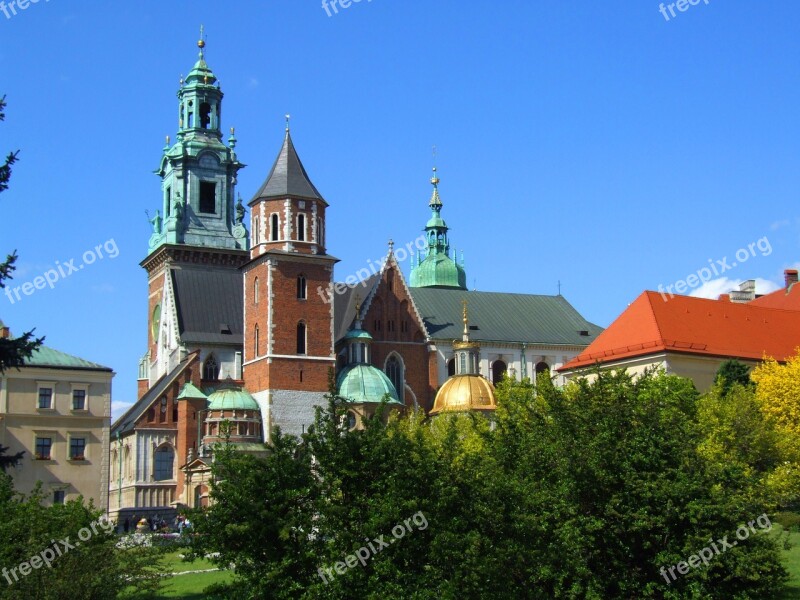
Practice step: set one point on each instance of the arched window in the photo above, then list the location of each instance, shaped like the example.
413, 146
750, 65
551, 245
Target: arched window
542, 367
499, 369
205, 115
210, 369
255, 342
274, 234
301, 287
320, 233
394, 371
164, 463
451, 367
301, 227
301, 338
256, 231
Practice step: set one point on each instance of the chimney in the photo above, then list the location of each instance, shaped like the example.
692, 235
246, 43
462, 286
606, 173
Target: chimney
790, 276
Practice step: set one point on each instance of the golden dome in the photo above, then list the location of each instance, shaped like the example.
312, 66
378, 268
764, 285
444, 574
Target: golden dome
463, 393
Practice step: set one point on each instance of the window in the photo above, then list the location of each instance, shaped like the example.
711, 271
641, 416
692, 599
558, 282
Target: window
274, 227
168, 195
542, 367
463, 362
394, 370
208, 197
210, 369
320, 237
78, 399
43, 447
351, 420
451, 367
301, 287
301, 227
77, 448
205, 115
58, 497
255, 291
498, 370
256, 231
46, 398
390, 326
255, 342
301, 338
165, 457
377, 325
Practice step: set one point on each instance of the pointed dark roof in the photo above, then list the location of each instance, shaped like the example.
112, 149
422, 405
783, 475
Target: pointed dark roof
288, 177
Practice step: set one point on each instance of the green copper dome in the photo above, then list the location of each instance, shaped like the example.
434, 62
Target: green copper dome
438, 269
232, 399
357, 334
360, 383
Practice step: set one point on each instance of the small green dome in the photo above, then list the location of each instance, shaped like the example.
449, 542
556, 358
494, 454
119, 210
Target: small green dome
357, 334
201, 73
438, 270
436, 222
365, 383
232, 399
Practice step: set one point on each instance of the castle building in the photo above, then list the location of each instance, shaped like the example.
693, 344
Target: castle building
235, 306
57, 410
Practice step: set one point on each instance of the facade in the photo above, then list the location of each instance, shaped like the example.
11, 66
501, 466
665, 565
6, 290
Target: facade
232, 308
57, 408
692, 337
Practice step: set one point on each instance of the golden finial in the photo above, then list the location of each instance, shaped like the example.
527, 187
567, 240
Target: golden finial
466, 321
201, 43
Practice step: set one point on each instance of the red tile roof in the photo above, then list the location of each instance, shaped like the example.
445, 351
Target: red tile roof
787, 298
690, 325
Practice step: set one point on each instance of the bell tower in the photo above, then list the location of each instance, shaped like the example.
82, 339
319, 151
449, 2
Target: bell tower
288, 325
199, 240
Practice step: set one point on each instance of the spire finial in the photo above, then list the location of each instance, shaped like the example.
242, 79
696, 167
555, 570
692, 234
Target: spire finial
358, 307
391, 245
201, 43
466, 321
288, 118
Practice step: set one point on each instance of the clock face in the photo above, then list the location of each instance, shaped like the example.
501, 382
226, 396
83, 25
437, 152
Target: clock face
156, 320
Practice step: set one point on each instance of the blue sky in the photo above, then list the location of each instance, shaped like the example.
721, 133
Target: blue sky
593, 143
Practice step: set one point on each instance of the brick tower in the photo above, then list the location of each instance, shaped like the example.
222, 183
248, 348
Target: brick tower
288, 326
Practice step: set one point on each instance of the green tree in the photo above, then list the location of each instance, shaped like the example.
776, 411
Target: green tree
9, 461
730, 373
80, 549
13, 351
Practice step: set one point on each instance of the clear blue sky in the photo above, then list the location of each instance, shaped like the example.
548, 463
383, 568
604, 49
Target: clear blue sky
595, 143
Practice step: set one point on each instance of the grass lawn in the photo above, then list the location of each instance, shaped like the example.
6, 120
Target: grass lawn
191, 585
791, 562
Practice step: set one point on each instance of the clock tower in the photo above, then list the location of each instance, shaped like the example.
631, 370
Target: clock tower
199, 241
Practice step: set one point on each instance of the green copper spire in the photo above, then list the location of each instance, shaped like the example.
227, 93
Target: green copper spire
438, 269
199, 172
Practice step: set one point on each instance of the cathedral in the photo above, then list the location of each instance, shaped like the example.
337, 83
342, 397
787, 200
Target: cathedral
241, 342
